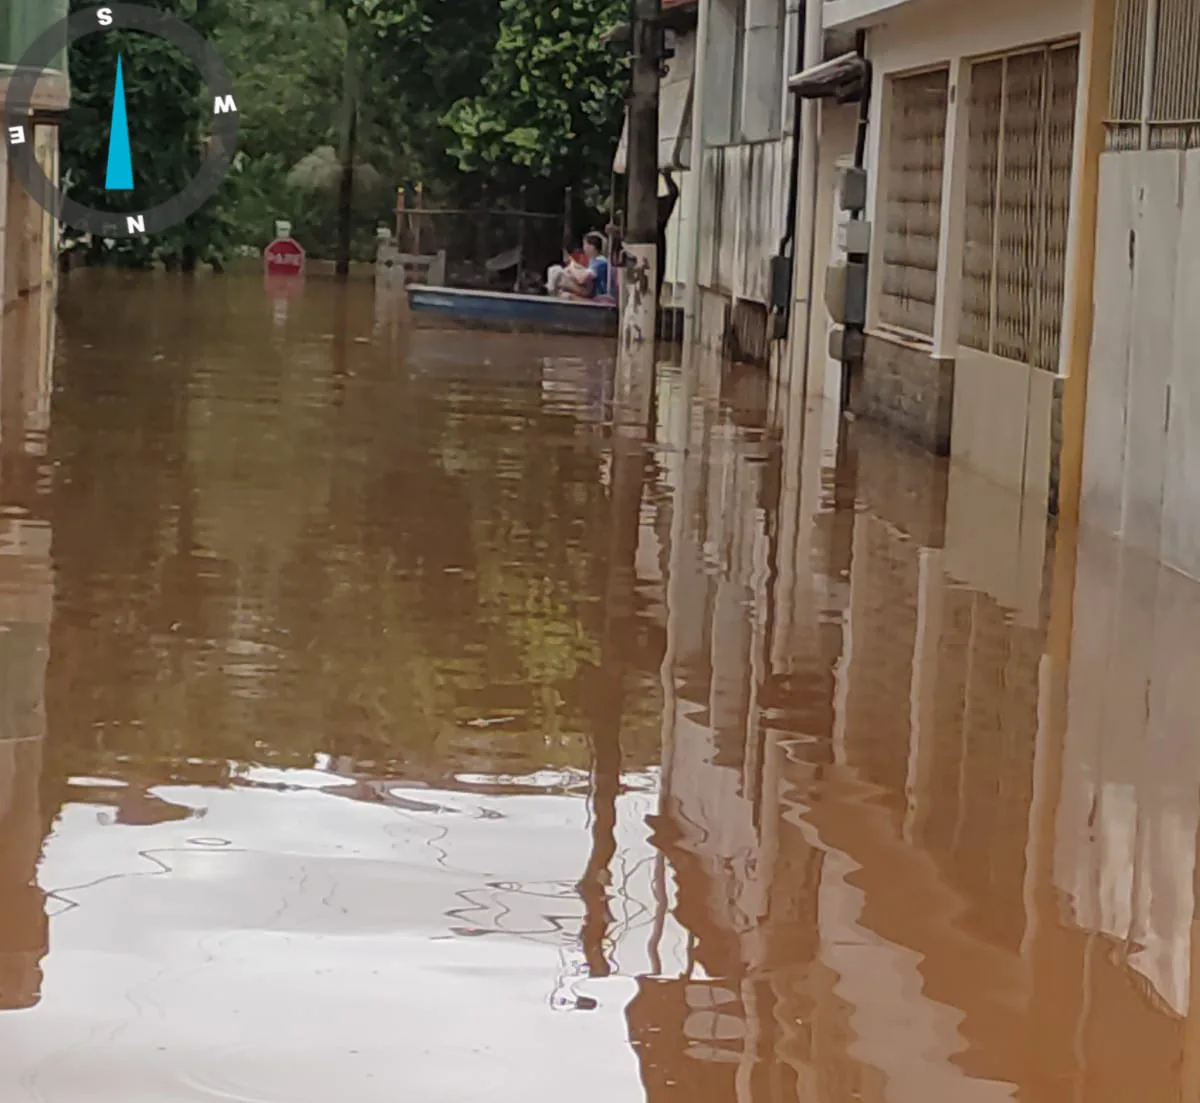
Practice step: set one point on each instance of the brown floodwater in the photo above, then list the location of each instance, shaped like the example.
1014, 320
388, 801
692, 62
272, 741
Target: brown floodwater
373, 728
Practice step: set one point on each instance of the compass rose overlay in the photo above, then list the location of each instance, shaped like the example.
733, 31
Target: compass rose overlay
42, 56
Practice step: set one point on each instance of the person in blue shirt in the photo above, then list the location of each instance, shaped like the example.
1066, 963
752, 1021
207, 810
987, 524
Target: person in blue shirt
597, 266
590, 281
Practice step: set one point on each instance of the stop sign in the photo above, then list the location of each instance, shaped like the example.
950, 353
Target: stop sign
284, 257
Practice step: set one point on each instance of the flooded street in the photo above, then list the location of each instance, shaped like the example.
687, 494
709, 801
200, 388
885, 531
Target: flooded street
374, 728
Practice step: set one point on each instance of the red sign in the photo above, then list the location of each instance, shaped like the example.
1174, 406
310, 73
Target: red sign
284, 257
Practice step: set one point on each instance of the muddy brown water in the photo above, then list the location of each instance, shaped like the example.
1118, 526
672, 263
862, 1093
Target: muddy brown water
373, 728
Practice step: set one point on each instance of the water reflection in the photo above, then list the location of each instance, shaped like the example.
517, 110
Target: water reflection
26, 588
399, 722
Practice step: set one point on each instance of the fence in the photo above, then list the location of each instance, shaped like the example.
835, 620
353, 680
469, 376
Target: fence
497, 248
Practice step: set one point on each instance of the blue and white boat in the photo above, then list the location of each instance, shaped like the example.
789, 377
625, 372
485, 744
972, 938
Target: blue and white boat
442, 307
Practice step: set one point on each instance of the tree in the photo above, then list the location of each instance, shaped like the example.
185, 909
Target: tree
477, 99
164, 97
551, 102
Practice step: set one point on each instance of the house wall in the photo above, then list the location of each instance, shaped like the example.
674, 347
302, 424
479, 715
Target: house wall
992, 413
1141, 442
1141, 459
743, 203
743, 175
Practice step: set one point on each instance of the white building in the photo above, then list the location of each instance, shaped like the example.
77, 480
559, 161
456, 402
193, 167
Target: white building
1031, 167
973, 130
737, 220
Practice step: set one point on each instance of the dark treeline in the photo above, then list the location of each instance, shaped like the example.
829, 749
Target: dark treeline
484, 102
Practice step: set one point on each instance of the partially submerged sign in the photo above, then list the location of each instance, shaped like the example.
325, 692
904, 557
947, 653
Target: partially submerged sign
285, 255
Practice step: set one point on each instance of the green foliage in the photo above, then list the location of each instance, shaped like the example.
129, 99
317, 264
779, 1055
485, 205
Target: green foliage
474, 98
165, 98
551, 102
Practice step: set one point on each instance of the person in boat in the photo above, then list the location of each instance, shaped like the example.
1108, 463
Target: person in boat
586, 280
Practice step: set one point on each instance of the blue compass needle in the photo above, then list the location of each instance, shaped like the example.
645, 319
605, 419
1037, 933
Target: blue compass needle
120, 157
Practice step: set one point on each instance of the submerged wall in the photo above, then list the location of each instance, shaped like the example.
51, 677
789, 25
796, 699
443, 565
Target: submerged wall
1141, 460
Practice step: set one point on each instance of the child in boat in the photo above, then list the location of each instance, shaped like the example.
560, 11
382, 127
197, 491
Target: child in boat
589, 280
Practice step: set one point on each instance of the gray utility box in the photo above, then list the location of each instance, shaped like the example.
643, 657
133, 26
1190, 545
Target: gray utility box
846, 292
854, 237
852, 189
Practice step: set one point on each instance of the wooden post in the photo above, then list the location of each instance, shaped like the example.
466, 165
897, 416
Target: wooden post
521, 204
401, 220
635, 354
420, 204
568, 220
1097, 59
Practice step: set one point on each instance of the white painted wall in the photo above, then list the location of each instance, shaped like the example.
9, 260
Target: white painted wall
677, 233
743, 203
1141, 460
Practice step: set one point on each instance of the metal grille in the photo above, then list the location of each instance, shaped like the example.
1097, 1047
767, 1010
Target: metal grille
1021, 127
983, 166
1055, 206
1164, 112
1175, 90
913, 202
1128, 66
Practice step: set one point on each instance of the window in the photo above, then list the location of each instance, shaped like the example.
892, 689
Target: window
1021, 129
912, 205
744, 80
1172, 114
723, 79
762, 70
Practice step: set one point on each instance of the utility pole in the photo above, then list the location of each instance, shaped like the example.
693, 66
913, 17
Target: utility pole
348, 153
639, 315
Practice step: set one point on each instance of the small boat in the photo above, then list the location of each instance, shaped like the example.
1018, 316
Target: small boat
434, 307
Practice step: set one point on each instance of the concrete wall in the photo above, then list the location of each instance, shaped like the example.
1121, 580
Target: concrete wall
1141, 462
903, 386
743, 203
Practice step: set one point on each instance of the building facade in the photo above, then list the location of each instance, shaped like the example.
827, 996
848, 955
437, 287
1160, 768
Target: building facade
732, 206
1012, 154
970, 158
